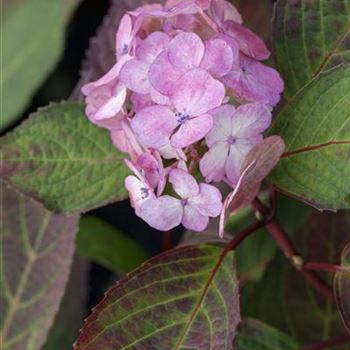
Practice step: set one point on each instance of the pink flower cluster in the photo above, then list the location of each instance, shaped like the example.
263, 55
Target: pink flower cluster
187, 96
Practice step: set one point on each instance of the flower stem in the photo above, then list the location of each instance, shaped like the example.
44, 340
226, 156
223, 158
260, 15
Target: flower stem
286, 245
321, 266
328, 343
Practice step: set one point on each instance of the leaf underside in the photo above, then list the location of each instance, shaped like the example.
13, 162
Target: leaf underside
37, 250
169, 303
63, 160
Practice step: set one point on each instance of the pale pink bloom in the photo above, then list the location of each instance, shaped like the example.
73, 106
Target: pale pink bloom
125, 140
249, 43
254, 81
197, 204
222, 10
124, 37
187, 51
134, 73
185, 7
105, 97
140, 101
151, 167
192, 97
234, 133
139, 189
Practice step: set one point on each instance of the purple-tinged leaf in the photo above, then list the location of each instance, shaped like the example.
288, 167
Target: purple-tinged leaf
342, 288
37, 250
72, 308
186, 298
256, 166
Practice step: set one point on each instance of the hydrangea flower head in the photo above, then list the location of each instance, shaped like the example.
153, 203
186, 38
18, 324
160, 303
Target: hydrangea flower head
167, 102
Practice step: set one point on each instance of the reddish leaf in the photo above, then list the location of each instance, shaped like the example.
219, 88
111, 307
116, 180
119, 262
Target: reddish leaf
37, 253
342, 288
186, 298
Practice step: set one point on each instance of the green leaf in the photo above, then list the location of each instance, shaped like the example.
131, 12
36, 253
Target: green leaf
342, 288
285, 300
72, 309
309, 37
32, 38
316, 130
184, 298
105, 245
62, 159
37, 250
255, 335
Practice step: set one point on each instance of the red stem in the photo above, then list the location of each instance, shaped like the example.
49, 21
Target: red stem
286, 245
167, 240
321, 266
314, 147
328, 343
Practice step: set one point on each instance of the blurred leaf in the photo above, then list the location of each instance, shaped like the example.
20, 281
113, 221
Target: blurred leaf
72, 309
37, 250
105, 245
285, 300
62, 159
316, 130
309, 37
32, 39
342, 288
176, 300
255, 335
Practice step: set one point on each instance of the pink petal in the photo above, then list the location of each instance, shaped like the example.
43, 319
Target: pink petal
152, 168
196, 93
124, 36
154, 125
218, 58
192, 131
170, 152
152, 46
158, 98
186, 51
108, 78
177, 7
113, 105
134, 75
250, 120
163, 213
162, 74
254, 81
222, 127
208, 202
237, 153
227, 207
183, 183
119, 140
139, 192
249, 43
212, 164
140, 101
222, 10
193, 219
